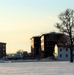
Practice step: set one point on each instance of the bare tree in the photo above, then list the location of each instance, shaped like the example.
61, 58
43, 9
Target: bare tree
67, 26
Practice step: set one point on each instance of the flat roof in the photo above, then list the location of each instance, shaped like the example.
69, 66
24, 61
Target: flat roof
34, 37
3, 42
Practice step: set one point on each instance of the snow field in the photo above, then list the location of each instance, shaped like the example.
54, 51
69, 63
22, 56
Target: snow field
37, 68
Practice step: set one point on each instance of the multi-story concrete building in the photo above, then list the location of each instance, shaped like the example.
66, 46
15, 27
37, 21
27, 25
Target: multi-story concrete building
2, 49
48, 42
35, 45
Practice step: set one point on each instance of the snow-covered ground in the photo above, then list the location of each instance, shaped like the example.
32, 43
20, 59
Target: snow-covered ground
37, 68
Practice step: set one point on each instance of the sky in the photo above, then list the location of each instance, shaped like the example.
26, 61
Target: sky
22, 19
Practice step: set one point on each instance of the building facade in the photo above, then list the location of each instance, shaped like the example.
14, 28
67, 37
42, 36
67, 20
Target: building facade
35, 45
2, 49
62, 52
47, 44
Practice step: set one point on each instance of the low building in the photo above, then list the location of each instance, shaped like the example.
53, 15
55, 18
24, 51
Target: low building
62, 52
2, 49
25, 55
14, 56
